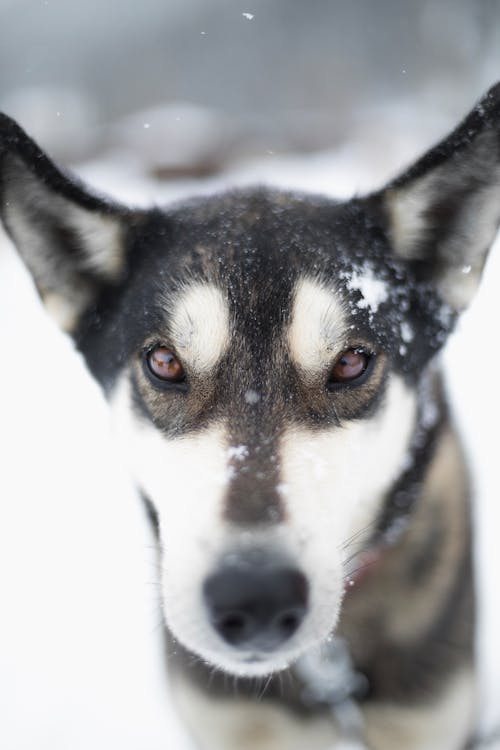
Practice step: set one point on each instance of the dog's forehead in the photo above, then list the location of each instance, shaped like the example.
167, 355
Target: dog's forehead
242, 236
253, 268
203, 326
259, 248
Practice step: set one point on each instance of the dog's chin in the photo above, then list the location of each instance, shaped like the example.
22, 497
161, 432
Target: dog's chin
250, 664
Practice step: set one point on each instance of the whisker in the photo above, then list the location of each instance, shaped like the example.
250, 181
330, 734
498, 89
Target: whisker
349, 540
266, 685
280, 682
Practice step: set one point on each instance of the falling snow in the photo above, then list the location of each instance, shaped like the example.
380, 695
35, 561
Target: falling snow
406, 332
252, 397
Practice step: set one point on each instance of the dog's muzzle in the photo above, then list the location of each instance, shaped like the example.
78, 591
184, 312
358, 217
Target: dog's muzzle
256, 604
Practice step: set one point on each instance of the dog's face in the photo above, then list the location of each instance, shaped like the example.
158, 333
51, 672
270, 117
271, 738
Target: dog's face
265, 356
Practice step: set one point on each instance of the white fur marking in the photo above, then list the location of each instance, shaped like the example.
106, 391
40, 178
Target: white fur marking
327, 497
186, 479
335, 481
200, 325
318, 326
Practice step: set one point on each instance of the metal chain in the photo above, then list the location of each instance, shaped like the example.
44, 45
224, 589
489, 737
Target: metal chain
329, 678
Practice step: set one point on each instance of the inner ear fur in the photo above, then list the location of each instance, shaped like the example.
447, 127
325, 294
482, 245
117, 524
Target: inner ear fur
71, 240
443, 213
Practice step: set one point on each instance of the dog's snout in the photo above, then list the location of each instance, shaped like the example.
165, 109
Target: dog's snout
256, 607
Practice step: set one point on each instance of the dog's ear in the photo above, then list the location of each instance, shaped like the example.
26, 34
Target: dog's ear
443, 213
70, 240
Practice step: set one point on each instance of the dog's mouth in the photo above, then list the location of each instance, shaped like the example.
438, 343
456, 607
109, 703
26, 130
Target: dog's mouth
256, 610
253, 659
257, 659
254, 664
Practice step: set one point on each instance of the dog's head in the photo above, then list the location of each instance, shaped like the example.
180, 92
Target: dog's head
263, 354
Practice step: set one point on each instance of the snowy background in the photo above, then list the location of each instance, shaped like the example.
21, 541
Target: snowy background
151, 106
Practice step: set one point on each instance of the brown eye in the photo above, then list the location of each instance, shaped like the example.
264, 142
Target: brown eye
164, 364
350, 366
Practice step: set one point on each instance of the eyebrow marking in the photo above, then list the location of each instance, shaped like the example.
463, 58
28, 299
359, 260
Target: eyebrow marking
200, 327
318, 326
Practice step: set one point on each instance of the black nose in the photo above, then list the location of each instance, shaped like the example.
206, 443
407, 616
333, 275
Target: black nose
255, 606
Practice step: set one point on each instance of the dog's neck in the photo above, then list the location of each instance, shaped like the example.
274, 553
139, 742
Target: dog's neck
418, 595
398, 507
432, 419
428, 492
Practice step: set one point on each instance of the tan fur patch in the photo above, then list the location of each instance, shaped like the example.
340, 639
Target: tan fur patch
232, 724
443, 724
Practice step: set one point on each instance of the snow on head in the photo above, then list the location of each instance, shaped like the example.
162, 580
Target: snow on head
237, 452
373, 291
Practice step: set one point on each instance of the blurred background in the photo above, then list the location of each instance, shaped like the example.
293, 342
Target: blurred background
150, 101
232, 77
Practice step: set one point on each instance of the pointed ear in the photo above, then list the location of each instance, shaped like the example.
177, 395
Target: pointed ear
70, 240
443, 213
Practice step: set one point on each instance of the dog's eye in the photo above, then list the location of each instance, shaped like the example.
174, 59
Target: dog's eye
164, 365
350, 366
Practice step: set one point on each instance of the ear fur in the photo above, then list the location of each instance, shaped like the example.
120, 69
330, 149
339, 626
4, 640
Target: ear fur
70, 240
443, 212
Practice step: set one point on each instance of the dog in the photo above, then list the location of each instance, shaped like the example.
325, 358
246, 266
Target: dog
278, 354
